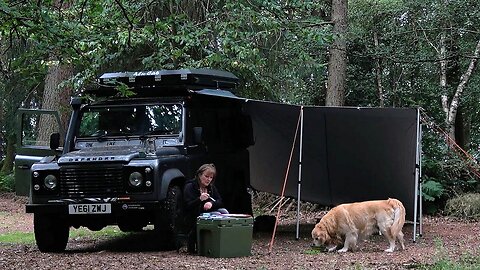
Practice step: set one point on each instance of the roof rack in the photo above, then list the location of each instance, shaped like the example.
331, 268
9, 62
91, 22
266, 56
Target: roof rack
148, 83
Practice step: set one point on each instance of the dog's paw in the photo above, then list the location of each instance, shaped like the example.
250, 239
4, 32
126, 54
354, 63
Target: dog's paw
342, 250
389, 250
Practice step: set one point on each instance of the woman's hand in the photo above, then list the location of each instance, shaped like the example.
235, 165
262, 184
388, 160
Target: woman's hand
204, 196
207, 206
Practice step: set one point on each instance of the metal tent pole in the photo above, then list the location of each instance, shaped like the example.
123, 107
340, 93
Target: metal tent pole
420, 183
417, 168
299, 174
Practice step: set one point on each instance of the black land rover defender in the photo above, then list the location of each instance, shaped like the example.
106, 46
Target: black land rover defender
124, 161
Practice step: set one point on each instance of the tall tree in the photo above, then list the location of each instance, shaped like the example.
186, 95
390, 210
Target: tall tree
56, 97
337, 63
451, 106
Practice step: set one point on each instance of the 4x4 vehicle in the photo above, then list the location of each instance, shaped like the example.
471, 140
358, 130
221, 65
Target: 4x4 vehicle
124, 160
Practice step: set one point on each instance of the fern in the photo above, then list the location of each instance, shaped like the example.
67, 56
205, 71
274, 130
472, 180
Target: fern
432, 190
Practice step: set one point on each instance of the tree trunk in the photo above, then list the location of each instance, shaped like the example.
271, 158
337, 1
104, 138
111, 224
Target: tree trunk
7, 166
442, 55
378, 72
462, 129
55, 98
452, 108
337, 64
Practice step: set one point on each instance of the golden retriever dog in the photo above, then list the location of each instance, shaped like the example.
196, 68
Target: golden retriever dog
348, 223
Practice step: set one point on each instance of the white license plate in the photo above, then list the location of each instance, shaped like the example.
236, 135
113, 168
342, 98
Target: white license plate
91, 208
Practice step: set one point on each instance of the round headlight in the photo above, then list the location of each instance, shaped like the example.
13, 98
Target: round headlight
135, 179
50, 181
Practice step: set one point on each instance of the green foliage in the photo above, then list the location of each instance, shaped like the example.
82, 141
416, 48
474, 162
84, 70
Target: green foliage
464, 206
445, 172
124, 90
7, 182
266, 43
432, 190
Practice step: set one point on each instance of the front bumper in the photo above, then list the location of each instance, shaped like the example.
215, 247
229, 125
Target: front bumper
117, 208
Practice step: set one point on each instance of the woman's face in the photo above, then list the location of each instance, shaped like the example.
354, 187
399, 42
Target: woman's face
206, 177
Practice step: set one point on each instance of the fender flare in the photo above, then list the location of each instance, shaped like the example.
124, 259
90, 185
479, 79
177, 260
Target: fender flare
171, 176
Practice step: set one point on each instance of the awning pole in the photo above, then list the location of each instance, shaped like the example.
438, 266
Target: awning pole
417, 168
420, 182
299, 174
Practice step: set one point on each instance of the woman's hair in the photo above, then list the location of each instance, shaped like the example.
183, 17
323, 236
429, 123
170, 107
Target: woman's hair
205, 167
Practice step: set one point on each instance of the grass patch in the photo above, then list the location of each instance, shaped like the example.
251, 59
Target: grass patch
466, 262
312, 251
28, 238
25, 238
107, 232
444, 262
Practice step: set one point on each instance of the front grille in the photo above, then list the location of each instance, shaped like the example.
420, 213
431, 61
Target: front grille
91, 181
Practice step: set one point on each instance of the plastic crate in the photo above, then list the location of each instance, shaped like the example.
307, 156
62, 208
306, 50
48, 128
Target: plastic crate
223, 236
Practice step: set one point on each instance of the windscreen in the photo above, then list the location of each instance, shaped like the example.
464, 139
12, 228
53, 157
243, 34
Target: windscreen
137, 120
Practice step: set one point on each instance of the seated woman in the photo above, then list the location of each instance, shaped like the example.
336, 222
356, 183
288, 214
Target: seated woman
201, 196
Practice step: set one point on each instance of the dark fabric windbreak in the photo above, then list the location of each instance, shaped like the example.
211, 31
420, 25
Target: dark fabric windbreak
348, 154
274, 127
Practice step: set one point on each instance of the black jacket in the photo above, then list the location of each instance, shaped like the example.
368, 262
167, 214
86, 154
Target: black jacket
193, 206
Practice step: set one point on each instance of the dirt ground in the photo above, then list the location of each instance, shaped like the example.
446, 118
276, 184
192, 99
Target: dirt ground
441, 238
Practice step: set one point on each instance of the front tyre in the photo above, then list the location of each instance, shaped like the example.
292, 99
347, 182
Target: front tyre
167, 222
51, 233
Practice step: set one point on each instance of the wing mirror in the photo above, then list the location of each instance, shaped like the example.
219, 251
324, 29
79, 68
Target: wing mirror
54, 140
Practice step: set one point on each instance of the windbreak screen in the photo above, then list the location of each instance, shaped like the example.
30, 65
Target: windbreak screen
274, 127
348, 154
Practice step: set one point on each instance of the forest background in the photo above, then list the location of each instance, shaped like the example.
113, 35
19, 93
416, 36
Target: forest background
369, 53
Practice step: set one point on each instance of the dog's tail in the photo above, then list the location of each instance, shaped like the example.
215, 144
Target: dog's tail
399, 215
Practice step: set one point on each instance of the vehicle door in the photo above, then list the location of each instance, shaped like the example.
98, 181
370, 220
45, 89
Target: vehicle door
37, 132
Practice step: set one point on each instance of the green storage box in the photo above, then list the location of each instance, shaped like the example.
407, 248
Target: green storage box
224, 236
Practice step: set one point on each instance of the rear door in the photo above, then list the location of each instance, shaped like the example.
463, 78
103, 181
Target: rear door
34, 128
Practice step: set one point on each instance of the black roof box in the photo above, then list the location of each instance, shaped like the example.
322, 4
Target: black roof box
147, 83
188, 77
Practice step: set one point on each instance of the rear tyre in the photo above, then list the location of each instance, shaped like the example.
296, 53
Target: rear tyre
51, 233
167, 222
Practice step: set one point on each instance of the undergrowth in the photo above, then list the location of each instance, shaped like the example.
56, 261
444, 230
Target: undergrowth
7, 182
464, 206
